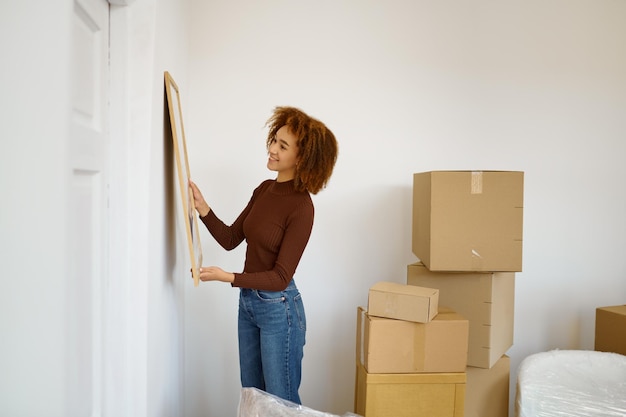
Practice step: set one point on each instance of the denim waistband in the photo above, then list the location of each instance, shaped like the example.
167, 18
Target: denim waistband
292, 286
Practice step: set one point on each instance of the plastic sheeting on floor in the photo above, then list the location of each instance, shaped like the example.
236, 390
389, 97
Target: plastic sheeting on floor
572, 383
256, 403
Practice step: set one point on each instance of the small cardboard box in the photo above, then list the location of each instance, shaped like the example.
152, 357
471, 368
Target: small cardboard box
485, 299
403, 302
398, 346
611, 329
487, 390
468, 220
409, 395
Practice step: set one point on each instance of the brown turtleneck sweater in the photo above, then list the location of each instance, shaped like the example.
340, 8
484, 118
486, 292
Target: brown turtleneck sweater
276, 224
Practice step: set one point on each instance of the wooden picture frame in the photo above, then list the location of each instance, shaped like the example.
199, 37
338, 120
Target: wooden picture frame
182, 168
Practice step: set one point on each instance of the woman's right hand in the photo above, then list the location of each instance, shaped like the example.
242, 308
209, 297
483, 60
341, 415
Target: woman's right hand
199, 203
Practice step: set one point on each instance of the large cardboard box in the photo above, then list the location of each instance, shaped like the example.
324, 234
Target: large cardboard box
403, 302
409, 395
486, 300
611, 329
398, 346
487, 390
468, 220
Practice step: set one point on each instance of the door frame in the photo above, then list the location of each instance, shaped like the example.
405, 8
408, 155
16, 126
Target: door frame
126, 323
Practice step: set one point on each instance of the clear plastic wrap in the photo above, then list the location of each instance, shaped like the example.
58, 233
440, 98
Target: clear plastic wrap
572, 383
256, 403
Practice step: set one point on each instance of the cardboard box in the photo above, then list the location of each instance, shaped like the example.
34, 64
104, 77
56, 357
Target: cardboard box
468, 220
611, 329
409, 395
398, 346
487, 390
403, 302
486, 300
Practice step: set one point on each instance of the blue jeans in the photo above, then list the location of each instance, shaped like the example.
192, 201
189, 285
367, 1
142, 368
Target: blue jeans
272, 327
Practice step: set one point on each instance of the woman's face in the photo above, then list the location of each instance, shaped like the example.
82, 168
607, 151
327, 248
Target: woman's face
283, 154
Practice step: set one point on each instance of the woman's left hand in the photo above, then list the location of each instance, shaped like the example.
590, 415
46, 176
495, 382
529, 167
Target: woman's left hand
214, 273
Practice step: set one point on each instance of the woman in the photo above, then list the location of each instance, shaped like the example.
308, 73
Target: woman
276, 224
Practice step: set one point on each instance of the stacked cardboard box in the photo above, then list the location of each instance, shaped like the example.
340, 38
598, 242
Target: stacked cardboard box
487, 390
610, 333
468, 221
486, 299
467, 233
411, 354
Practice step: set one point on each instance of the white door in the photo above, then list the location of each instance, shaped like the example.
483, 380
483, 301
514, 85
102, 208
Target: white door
88, 213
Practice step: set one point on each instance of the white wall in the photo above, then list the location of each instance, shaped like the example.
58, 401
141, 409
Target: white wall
410, 86
157, 43
33, 186
145, 289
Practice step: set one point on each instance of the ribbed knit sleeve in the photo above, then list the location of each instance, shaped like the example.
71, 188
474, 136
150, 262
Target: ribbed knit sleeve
228, 237
276, 225
275, 274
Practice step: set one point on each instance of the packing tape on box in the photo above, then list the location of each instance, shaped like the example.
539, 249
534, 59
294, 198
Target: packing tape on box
477, 260
477, 182
362, 318
419, 355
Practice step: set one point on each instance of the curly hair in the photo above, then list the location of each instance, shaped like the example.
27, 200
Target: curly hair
317, 147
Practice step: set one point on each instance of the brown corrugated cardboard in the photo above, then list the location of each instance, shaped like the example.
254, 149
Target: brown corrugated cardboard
409, 395
611, 329
485, 299
468, 220
487, 390
398, 346
403, 302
